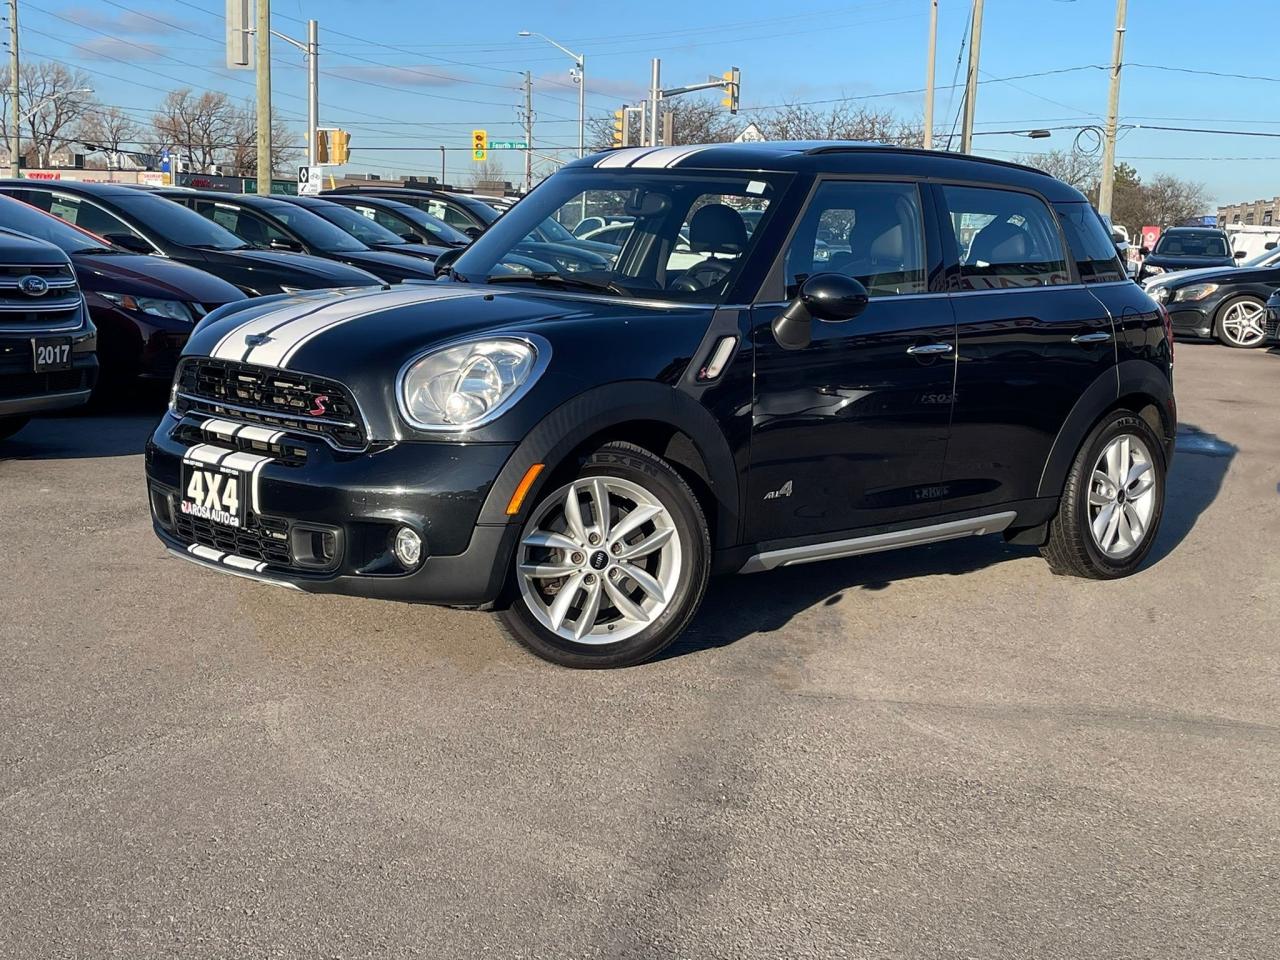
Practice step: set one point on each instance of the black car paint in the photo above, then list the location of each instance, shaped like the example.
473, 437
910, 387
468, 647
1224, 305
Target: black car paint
851, 436
1199, 318
406, 219
323, 207
463, 212
1167, 262
24, 392
388, 267
255, 272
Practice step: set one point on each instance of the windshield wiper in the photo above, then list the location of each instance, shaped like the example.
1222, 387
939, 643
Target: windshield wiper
561, 280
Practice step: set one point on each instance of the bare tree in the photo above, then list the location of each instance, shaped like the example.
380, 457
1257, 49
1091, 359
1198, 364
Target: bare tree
1071, 166
692, 121
198, 128
1171, 201
242, 147
51, 100
843, 121
109, 131
487, 172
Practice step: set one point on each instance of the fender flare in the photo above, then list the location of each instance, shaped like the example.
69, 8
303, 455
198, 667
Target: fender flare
1126, 379
598, 409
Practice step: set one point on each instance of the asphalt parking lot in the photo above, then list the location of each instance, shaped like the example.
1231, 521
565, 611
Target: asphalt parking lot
941, 752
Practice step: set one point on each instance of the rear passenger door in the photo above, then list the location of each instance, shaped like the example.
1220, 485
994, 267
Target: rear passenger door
1030, 338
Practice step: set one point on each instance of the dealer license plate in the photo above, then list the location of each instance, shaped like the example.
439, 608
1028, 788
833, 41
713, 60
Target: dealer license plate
216, 494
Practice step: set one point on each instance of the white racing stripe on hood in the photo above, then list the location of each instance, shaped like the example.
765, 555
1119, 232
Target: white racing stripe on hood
287, 339
232, 345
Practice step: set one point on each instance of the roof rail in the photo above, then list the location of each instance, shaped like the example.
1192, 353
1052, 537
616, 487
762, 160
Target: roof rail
918, 151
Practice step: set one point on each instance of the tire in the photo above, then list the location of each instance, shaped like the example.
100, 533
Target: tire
1080, 544
11, 425
1241, 323
644, 587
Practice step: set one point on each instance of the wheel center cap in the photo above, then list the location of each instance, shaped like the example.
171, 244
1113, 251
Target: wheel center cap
599, 560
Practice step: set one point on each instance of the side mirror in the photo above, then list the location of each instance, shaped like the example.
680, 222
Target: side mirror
291, 246
444, 263
1239, 255
129, 241
410, 238
1144, 251
832, 297
473, 232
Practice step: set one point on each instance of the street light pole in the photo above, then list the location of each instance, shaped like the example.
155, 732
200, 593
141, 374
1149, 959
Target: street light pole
1106, 184
579, 62
971, 82
263, 41
16, 133
928, 74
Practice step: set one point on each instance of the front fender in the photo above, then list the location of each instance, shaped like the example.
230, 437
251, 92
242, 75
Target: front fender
598, 409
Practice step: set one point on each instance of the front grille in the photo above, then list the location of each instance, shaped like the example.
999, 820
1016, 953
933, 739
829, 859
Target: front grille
282, 451
1273, 323
272, 398
264, 538
38, 384
54, 307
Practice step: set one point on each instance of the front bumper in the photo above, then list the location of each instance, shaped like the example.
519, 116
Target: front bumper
22, 391
1273, 324
1192, 319
323, 520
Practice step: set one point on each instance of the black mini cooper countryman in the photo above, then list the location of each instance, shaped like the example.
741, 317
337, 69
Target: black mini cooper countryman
798, 351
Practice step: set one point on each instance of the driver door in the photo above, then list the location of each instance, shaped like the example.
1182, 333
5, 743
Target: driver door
852, 431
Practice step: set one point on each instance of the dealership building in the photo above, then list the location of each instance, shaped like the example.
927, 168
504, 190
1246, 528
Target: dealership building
1262, 213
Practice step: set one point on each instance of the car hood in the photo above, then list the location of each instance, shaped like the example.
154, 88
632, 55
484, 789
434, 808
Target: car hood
331, 272
24, 250
144, 276
1233, 274
389, 266
1187, 263
419, 251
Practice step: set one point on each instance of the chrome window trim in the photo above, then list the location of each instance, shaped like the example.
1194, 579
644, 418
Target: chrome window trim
541, 358
156, 251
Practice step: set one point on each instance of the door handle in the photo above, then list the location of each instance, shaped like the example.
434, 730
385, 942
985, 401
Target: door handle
929, 349
1099, 337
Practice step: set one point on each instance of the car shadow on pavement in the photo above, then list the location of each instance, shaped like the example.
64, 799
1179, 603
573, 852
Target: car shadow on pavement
738, 606
80, 437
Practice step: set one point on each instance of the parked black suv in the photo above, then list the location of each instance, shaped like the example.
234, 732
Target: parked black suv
47, 341
141, 221
1188, 248
582, 449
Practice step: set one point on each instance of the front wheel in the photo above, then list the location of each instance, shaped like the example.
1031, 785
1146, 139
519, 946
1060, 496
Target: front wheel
1242, 323
611, 566
1112, 502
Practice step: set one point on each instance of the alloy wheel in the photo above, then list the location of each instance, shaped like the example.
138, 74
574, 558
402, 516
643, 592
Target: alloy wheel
1122, 496
1242, 323
599, 560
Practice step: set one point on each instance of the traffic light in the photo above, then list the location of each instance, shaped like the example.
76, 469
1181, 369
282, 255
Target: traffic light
339, 146
732, 87
479, 145
322, 146
619, 126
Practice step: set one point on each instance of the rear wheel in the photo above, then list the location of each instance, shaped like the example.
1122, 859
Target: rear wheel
1242, 323
1112, 502
11, 425
611, 566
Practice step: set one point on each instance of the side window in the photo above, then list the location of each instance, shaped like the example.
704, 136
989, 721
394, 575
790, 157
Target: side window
873, 232
87, 216
1092, 248
384, 219
1006, 239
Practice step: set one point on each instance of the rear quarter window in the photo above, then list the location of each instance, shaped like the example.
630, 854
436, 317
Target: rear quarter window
1091, 246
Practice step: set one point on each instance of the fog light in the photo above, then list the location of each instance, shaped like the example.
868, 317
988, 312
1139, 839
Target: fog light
408, 547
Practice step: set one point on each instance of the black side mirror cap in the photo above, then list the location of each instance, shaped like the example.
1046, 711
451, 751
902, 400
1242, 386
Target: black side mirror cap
292, 246
473, 232
831, 297
444, 263
1239, 255
129, 242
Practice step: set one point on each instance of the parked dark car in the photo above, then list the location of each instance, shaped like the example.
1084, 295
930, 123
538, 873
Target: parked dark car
410, 222
582, 449
1272, 320
144, 307
47, 340
371, 234
1188, 248
273, 223
1224, 303
458, 210
142, 221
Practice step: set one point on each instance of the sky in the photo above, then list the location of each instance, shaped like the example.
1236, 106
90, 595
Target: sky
406, 76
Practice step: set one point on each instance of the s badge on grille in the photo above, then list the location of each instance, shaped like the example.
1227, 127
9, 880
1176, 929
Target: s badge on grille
257, 339
319, 409
33, 286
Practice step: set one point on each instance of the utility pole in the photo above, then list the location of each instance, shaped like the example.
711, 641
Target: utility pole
262, 38
971, 85
928, 74
528, 131
655, 101
15, 134
1107, 183
313, 89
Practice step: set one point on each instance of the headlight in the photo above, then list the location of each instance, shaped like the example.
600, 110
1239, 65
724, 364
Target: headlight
173, 309
1196, 291
469, 384
1151, 269
1159, 293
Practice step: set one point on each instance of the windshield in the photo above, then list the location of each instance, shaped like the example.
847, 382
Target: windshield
1192, 245
688, 236
350, 222
1266, 258
176, 223
449, 236
16, 215
315, 230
